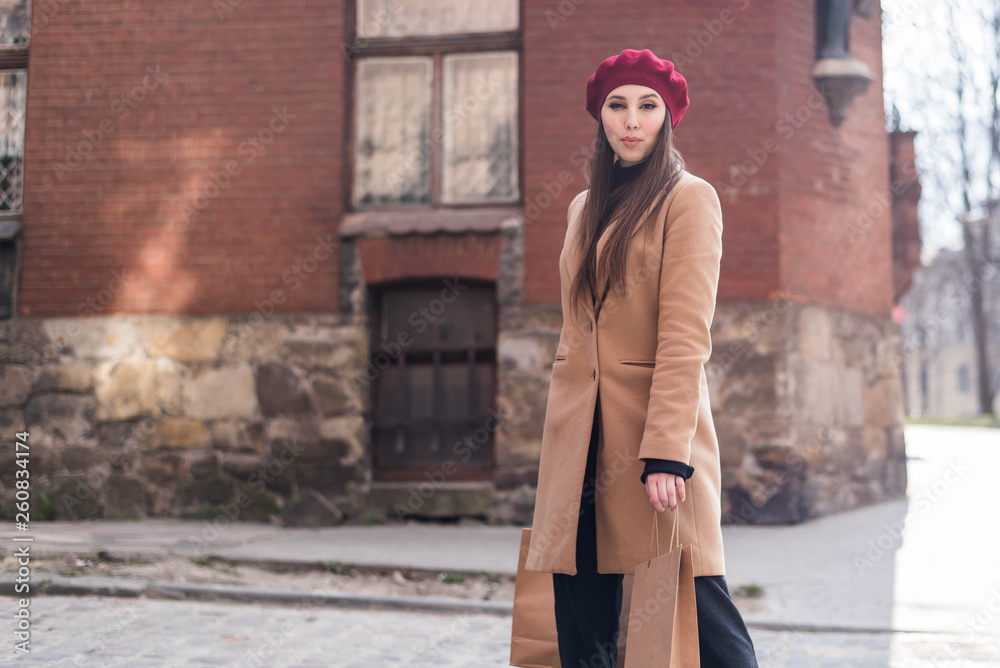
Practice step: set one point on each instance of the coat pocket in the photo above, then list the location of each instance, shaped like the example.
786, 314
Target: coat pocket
559, 359
646, 363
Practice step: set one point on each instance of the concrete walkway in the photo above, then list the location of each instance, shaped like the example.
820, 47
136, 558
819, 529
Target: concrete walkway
928, 564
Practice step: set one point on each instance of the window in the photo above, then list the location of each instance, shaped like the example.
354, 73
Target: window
964, 382
434, 367
436, 103
15, 33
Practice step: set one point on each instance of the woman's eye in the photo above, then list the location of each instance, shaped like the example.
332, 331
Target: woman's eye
650, 105
616, 105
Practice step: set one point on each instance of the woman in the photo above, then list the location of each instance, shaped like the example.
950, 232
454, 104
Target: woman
647, 237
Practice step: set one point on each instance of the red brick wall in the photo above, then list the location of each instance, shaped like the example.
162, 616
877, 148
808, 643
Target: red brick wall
789, 189
139, 226
123, 228
834, 181
724, 49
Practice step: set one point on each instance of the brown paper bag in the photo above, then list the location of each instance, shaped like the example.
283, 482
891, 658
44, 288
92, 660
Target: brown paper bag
663, 613
533, 639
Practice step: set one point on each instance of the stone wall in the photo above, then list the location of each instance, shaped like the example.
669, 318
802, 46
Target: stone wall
255, 418
261, 419
808, 405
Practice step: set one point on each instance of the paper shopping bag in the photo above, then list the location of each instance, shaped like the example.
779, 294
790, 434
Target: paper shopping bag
533, 639
663, 613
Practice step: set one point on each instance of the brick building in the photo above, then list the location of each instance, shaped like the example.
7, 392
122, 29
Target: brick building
297, 261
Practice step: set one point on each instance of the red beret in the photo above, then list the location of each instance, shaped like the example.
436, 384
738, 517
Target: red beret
638, 67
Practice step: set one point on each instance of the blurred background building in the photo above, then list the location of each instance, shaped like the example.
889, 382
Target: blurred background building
298, 261
941, 371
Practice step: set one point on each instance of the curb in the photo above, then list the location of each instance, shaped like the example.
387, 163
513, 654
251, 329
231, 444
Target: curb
96, 585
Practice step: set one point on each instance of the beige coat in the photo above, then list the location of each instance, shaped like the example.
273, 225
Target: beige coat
646, 353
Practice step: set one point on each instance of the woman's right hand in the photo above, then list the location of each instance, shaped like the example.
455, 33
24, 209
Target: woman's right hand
664, 490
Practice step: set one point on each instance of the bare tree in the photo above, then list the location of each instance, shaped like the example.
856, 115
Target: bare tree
976, 238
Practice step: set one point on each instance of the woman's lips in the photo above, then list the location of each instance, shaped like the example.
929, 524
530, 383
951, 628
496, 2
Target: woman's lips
631, 141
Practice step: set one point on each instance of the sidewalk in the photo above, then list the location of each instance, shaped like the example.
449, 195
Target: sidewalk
855, 571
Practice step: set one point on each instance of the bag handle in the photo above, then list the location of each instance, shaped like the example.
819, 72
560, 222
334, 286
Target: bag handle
675, 536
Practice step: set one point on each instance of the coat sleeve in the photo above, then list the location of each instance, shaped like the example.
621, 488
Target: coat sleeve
689, 279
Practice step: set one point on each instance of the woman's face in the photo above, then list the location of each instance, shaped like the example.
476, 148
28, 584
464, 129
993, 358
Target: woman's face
633, 116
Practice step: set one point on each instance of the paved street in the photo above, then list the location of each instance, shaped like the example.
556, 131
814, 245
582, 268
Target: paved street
905, 584
92, 631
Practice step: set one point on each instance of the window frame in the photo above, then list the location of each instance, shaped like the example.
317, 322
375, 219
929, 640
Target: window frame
16, 58
464, 471
11, 222
436, 46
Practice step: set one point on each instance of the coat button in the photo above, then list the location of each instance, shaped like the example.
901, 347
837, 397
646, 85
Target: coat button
593, 374
591, 326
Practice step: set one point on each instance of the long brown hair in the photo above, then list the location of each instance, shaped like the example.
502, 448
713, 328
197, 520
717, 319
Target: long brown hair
628, 202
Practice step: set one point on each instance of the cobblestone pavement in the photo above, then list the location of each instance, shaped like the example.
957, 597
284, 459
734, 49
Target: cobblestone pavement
95, 631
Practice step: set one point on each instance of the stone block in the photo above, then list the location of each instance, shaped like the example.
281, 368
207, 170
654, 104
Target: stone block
424, 499
750, 386
15, 384
351, 432
875, 443
222, 393
81, 458
136, 386
11, 422
732, 440
240, 436
192, 496
26, 341
193, 341
517, 351
75, 496
256, 504
77, 377
96, 338
242, 466
310, 508
125, 497
815, 335
55, 420
181, 433
203, 466
251, 339
341, 348
281, 392
163, 468
884, 403
337, 395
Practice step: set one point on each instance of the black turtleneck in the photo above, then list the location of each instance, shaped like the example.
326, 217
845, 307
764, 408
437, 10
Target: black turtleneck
622, 175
